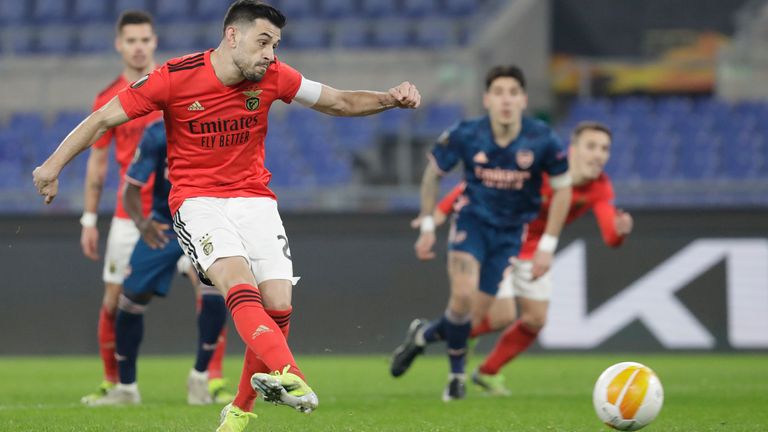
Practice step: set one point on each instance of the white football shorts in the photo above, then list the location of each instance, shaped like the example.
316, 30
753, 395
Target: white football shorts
518, 283
212, 228
121, 240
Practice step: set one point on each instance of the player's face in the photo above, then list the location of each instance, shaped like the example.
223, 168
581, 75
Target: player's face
505, 101
137, 44
590, 152
255, 47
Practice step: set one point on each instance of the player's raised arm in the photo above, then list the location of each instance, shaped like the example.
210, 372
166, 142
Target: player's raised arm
85, 134
349, 103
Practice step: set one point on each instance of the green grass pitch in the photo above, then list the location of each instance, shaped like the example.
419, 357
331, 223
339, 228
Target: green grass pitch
551, 393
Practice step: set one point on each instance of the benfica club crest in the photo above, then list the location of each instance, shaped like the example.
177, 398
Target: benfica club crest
252, 101
524, 159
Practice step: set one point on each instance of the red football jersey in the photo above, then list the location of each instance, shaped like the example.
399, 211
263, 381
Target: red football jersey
215, 132
127, 137
596, 195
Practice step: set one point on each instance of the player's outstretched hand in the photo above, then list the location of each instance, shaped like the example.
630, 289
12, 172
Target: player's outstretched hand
542, 260
623, 223
406, 95
46, 182
153, 233
89, 242
424, 244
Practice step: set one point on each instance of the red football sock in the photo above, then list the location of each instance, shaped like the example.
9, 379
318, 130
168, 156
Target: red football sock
106, 337
214, 366
482, 328
515, 339
252, 364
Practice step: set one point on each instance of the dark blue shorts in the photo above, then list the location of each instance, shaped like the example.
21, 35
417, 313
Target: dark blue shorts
493, 247
152, 270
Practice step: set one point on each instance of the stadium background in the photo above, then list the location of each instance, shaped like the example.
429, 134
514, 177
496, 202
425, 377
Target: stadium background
682, 84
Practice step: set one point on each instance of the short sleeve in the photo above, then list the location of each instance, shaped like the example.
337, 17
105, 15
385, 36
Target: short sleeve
447, 150
288, 82
555, 156
148, 155
104, 140
148, 94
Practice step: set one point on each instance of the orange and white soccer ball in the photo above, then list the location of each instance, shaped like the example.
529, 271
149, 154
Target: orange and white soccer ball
628, 396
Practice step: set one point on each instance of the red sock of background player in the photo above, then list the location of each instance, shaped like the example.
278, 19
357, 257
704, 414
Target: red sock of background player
483, 328
514, 340
106, 337
214, 367
252, 364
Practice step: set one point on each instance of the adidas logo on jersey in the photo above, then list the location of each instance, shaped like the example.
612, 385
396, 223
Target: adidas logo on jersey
196, 106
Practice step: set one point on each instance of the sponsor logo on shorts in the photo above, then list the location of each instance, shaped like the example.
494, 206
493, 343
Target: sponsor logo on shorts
112, 267
260, 331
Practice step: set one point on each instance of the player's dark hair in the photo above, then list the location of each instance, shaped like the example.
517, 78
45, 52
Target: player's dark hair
243, 11
133, 17
590, 125
502, 71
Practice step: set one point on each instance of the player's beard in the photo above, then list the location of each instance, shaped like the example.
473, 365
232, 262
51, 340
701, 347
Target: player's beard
250, 73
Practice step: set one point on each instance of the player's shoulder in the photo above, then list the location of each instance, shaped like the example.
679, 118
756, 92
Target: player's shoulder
470, 126
113, 87
189, 62
535, 128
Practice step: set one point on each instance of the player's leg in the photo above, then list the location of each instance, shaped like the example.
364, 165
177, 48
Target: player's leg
464, 275
208, 310
502, 312
121, 239
533, 298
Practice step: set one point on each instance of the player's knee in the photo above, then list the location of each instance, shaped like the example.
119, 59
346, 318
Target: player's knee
534, 321
134, 304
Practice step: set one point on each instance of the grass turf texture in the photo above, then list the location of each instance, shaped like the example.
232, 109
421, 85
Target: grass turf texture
551, 393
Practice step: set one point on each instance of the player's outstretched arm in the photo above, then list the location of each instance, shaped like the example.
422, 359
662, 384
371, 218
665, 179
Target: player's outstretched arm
349, 103
430, 187
86, 133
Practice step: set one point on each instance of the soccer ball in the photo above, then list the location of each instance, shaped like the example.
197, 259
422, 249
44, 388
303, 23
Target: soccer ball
628, 396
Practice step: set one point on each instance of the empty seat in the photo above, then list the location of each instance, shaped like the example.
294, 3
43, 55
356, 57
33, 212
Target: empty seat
95, 38
293, 9
212, 9
392, 33
180, 37
54, 40
436, 33
46, 11
173, 10
337, 8
378, 8
124, 5
13, 11
306, 34
352, 33
460, 8
90, 10
420, 8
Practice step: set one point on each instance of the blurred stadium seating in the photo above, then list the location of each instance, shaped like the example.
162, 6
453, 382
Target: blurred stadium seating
58, 27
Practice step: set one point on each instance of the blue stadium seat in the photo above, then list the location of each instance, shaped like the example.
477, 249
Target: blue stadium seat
352, 33
700, 162
438, 118
338, 8
633, 105
47, 11
305, 34
14, 11
355, 133
173, 10
671, 106
392, 33
124, 5
90, 10
460, 8
420, 8
211, 34
294, 9
21, 40
393, 121
55, 40
95, 38
212, 9
434, 33
379, 8
26, 122
180, 38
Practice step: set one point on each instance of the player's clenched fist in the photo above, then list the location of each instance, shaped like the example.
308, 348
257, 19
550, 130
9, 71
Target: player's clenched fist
406, 95
46, 182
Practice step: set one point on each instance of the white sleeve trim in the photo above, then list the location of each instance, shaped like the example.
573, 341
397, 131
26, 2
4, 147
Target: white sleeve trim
560, 181
308, 93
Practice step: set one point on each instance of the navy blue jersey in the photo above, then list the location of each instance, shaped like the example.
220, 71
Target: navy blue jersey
503, 183
151, 157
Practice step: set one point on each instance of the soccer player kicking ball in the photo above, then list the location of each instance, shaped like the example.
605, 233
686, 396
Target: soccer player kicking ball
152, 266
505, 157
136, 42
215, 106
589, 151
